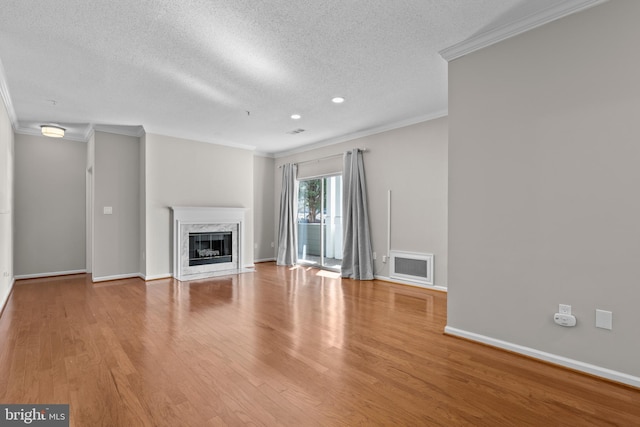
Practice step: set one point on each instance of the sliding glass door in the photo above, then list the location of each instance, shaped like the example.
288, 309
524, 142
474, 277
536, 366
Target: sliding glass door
320, 222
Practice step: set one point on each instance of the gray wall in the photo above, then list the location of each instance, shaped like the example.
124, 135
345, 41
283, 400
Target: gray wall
180, 172
139, 179
116, 248
49, 205
6, 205
543, 187
263, 202
412, 163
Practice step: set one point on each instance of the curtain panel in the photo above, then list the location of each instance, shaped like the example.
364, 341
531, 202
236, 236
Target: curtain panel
357, 261
287, 236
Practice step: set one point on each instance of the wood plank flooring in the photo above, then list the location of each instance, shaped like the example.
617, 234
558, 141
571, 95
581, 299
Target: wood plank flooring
281, 346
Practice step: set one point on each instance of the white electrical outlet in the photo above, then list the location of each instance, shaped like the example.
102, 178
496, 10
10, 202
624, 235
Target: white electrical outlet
374, 255
564, 309
384, 258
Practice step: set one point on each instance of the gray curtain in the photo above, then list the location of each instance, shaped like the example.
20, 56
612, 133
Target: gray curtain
287, 235
357, 261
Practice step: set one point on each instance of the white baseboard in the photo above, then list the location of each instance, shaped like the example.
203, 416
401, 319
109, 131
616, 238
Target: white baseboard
410, 283
169, 275
155, 277
6, 297
50, 274
577, 365
115, 277
264, 260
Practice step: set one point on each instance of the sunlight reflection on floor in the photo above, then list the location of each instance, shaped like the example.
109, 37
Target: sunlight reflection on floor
330, 274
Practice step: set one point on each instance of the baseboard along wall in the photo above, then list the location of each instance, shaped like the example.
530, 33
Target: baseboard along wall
555, 359
410, 283
6, 297
49, 274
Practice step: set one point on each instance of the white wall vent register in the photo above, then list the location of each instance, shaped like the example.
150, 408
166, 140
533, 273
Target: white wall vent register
411, 266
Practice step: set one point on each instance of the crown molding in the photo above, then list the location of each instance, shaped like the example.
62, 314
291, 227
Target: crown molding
89, 133
6, 98
362, 134
223, 143
264, 154
135, 131
36, 132
529, 22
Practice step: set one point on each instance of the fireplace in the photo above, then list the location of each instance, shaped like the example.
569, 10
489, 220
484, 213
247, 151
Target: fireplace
210, 247
207, 242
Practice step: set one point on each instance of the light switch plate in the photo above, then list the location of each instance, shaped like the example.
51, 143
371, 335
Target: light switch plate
604, 319
107, 210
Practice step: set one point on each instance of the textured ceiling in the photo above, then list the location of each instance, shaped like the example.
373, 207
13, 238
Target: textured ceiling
234, 71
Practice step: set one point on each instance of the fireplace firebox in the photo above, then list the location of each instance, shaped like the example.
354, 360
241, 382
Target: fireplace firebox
210, 247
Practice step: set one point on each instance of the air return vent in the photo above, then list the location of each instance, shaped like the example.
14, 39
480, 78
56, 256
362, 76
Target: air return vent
295, 131
411, 266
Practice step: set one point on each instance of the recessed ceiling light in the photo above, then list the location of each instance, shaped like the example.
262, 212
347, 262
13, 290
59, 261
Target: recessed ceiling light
52, 131
338, 100
295, 116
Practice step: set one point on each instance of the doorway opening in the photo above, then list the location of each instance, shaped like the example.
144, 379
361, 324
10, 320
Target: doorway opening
320, 222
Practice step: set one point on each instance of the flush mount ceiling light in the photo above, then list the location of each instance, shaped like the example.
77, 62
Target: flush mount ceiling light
338, 100
296, 116
52, 131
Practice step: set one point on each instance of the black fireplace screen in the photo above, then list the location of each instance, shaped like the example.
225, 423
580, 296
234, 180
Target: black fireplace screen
210, 248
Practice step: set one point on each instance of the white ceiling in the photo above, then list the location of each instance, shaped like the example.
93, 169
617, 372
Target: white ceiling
233, 71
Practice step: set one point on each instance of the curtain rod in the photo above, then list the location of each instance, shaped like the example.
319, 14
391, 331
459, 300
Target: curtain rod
364, 150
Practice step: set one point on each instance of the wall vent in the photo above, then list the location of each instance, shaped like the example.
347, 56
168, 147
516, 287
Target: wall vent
411, 266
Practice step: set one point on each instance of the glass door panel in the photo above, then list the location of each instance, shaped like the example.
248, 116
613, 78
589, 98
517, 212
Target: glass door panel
320, 222
332, 223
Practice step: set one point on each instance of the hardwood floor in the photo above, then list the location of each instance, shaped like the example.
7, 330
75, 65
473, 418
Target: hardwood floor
280, 346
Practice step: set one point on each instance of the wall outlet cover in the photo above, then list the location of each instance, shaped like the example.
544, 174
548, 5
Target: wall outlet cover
604, 319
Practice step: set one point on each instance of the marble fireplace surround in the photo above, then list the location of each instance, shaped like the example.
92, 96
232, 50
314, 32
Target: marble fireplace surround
187, 220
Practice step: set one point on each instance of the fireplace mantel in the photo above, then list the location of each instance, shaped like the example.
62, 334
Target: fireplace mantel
186, 219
